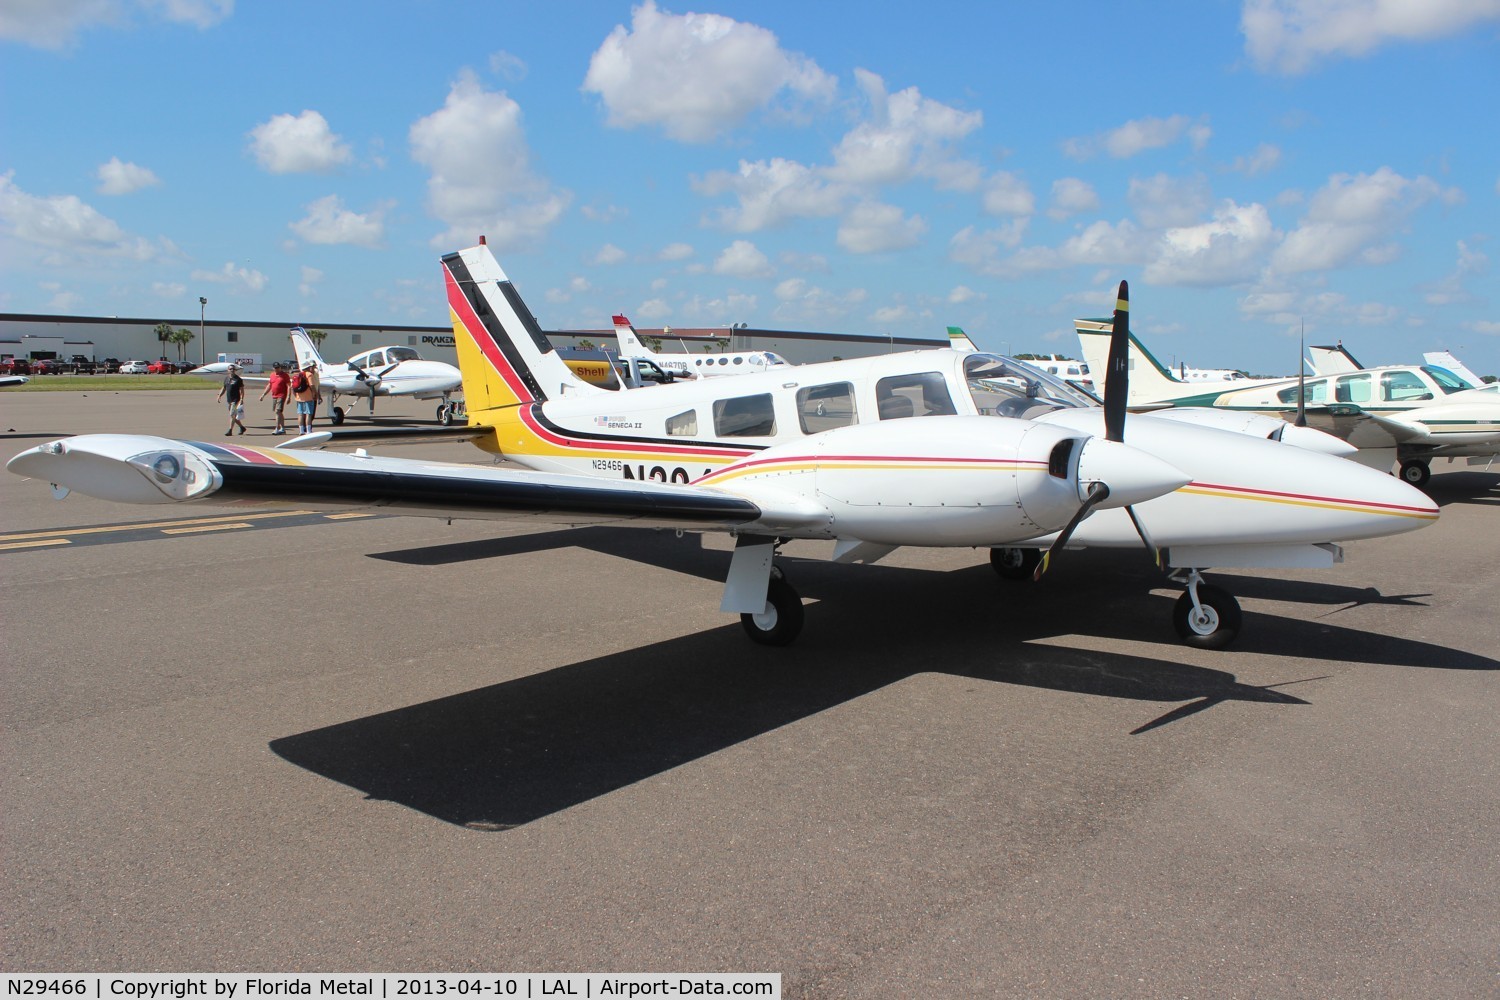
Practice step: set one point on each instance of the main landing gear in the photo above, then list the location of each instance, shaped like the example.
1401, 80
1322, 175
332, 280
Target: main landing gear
1205, 616
1416, 472
450, 410
781, 619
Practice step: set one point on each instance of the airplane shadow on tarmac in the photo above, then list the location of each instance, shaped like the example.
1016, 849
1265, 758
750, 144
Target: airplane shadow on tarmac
504, 755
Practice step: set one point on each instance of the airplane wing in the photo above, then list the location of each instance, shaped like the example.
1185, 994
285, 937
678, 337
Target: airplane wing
1361, 429
135, 468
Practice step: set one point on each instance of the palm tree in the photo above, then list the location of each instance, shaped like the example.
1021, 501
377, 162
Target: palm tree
316, 336
163, 333
585, 344
181, 337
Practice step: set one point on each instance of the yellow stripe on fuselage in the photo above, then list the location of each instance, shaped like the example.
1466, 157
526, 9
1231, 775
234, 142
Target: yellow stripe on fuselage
1311, 502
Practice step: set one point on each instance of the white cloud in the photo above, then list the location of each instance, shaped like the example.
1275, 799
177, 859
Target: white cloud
55, 24
1289, 36
511, 67
1070, 195
238, 279
298, 144
891, 315
168, 289
800, 302
1266, 157
742, 259
328, 222
981, 250
66, 223
1137, 136
675, 251
1354, 219
770, 194
1229, 249
123, 178
695, 76
609, 254
1007, 194
1161, 202
963, 293
906, 136
481, 180
653, 309
311, 278
871, 227
1451, 289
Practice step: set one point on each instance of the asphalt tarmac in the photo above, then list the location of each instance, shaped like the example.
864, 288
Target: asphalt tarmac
301, 743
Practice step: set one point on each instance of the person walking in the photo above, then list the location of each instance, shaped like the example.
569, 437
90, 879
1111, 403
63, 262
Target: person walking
279, 387
305, 392
233, 393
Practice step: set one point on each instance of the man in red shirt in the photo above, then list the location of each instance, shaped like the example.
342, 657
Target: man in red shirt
278, 386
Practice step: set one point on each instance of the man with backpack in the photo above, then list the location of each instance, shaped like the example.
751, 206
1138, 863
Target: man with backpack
305, 391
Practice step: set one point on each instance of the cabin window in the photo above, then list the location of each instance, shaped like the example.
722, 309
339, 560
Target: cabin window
745, 416
1317, 394
1446, 380
683, 424
723, 360
376, 358
402, 354
1353, 389
922, 394
821, 407
739, 361
1401, 387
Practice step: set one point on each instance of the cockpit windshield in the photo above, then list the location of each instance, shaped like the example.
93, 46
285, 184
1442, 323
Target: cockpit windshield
394, 354
1446, 380
1006, 387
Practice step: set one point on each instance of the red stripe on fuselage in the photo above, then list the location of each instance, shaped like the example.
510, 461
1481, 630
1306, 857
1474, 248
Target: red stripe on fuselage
1312, 498
464, 310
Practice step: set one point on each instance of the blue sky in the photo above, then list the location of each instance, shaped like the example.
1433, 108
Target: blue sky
1250, 167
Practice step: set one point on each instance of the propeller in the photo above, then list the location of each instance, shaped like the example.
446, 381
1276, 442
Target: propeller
1116, 396
366, 377
1301, 420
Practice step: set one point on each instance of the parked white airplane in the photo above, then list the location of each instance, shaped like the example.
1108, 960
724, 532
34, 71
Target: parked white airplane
685, 365
1151, 382
1409, 414
383, 371
1446, 360
814, 452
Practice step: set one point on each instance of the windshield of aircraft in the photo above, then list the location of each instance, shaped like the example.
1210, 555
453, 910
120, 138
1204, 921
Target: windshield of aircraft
1009, 388
394, 354
1446, 380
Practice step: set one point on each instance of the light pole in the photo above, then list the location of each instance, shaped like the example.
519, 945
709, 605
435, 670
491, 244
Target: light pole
202, 308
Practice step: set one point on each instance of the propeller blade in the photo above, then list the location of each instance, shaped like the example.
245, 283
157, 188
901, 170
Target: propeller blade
1140, 529
1098, 493
1301, 420
1117, 376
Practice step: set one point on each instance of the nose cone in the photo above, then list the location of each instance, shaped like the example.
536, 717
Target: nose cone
1131, 475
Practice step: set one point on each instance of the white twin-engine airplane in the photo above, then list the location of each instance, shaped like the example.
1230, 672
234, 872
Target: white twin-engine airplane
385, 371
705, 365
930, 448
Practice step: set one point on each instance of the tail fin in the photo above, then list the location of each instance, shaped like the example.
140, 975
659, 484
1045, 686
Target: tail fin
630, 344
960, 341
1445, 359
1332, 360
306, 352
503, 354
1149, 380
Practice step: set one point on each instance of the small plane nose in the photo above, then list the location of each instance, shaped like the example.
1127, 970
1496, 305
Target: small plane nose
1132, 475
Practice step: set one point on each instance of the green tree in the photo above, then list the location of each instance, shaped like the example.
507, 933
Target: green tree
317, 337
585, 344
181, 337
163, 333
653, 343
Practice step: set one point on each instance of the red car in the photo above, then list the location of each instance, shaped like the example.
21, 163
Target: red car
161, 368
51, 366
15, 366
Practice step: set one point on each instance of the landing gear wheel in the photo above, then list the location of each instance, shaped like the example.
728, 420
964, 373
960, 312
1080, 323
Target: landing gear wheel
1214, 625
336, 415
1416, 473
1015, 564
445, 414
781, 621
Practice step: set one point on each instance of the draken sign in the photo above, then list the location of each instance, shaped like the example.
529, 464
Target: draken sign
440, 340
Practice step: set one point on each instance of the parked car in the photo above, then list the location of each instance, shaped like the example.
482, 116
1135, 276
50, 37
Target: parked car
109, 366
15, 366
134, 368
183, 367
51, 366
82, 365
161, 367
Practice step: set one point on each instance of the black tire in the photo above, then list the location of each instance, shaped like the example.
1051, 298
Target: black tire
781, 622
1218, 625
336, 415
1015, 564
1416, 473
445, 415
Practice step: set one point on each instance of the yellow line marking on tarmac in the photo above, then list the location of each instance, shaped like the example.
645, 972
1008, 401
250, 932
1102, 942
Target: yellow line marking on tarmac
348, 516
181, 522
206, 527
38, 543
